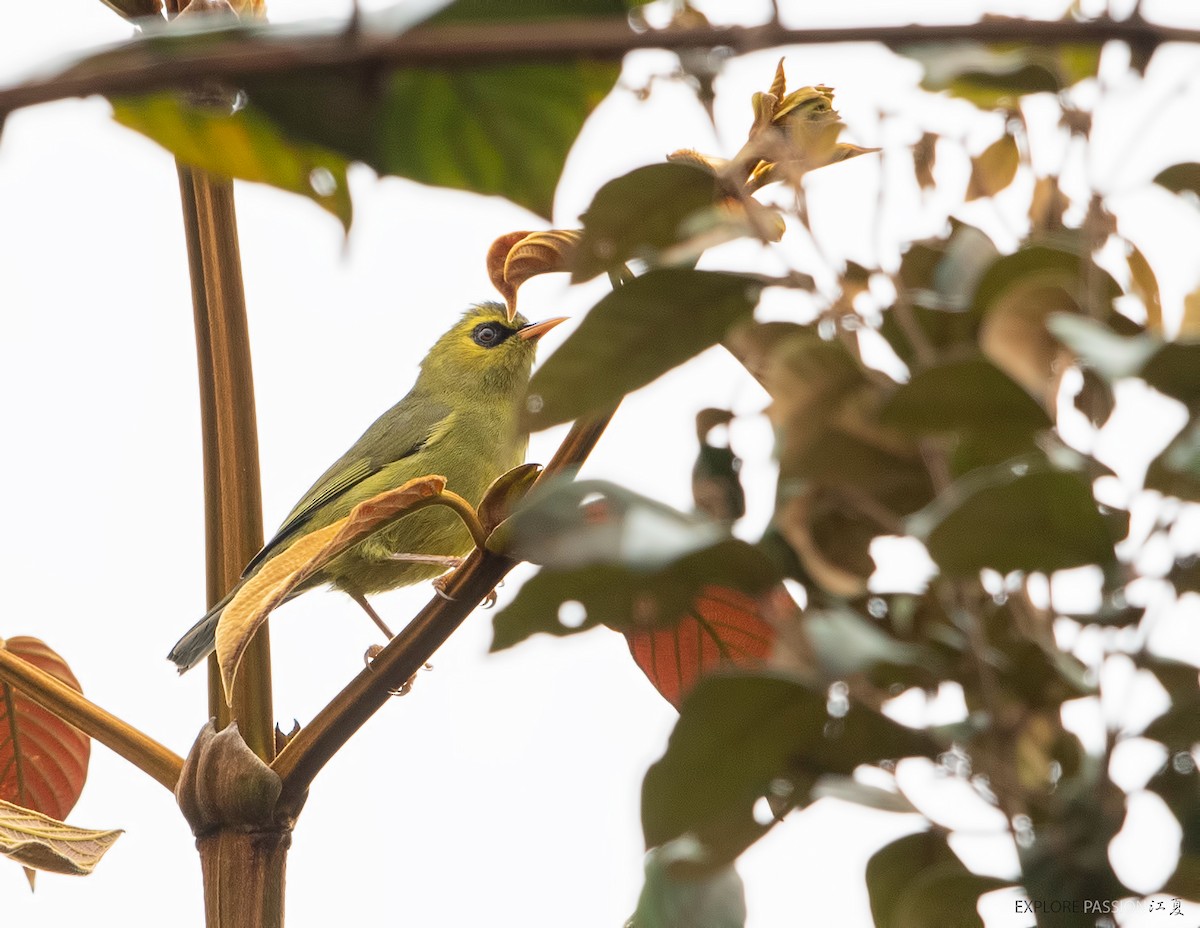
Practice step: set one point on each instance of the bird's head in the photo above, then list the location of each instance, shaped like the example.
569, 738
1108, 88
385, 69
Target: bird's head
484, 350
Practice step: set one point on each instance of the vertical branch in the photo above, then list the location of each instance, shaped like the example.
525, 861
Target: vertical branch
232, 493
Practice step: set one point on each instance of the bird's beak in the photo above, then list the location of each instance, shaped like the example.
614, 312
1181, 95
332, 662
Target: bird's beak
536, 330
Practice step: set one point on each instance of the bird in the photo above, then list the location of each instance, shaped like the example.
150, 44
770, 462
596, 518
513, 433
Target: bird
461, 419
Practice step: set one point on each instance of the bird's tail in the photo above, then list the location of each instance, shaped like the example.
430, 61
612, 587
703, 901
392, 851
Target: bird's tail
201, 638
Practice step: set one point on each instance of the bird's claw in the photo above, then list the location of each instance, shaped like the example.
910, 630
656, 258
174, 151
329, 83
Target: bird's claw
406, 688
439, 587
440, 584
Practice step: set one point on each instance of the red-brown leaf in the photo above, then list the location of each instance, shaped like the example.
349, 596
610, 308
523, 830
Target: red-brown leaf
43, 760
725, 628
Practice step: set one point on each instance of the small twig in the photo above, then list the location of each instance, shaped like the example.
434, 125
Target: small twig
72, 707
464, 511
873, 509
902, 312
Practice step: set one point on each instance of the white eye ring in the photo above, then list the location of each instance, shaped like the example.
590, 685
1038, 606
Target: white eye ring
486, 335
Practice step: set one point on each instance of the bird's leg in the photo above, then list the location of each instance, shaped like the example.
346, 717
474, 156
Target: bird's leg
445, 560
370, 611
373, 650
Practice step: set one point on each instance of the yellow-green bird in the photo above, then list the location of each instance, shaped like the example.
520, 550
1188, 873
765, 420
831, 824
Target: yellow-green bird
459, 420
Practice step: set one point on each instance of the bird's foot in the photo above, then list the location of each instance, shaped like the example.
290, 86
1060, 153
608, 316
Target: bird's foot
440, 584
405, 688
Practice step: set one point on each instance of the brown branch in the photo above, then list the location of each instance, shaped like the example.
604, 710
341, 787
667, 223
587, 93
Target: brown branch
313, 746
138, 67
71, 706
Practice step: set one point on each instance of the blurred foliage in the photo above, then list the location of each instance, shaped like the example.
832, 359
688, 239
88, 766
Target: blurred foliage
488, 127
955, 443
925, 395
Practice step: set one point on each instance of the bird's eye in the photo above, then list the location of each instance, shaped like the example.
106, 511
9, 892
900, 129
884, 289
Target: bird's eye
487, 335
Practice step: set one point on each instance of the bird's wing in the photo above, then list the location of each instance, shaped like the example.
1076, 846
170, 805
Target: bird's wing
399, 433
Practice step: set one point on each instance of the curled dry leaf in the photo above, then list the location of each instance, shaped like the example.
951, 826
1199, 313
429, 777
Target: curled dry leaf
792, 133
513, 258
1014, 336
794, 518
43, 760
1145, 286
505, 492
1189, 325
924, 159
1047, 206
282, 574
43, 843
710, 163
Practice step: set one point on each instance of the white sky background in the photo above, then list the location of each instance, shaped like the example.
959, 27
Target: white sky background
504, 789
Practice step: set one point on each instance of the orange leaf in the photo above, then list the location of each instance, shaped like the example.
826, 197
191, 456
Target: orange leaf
724, 628
43, 760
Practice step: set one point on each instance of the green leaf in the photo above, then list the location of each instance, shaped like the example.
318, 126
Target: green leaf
1179, 727
848, 789
945, 894
993, 76
1176, 472
893, 867
1068, 857
1014, 517
917, 881
1169, 367
1042, 266
741, 735
135, 9
639, 214
502, 129
576, 523
246, 145
635, 334
845, 643
625, 597
1175, 370
673, 897
970, 395
1185, 574
1184, 883
1097, 346
1180, 178
1178, 784
490, 128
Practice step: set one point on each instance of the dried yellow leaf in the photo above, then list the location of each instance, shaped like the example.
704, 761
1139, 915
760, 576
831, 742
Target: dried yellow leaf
282, 574
994, 169
40, 842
